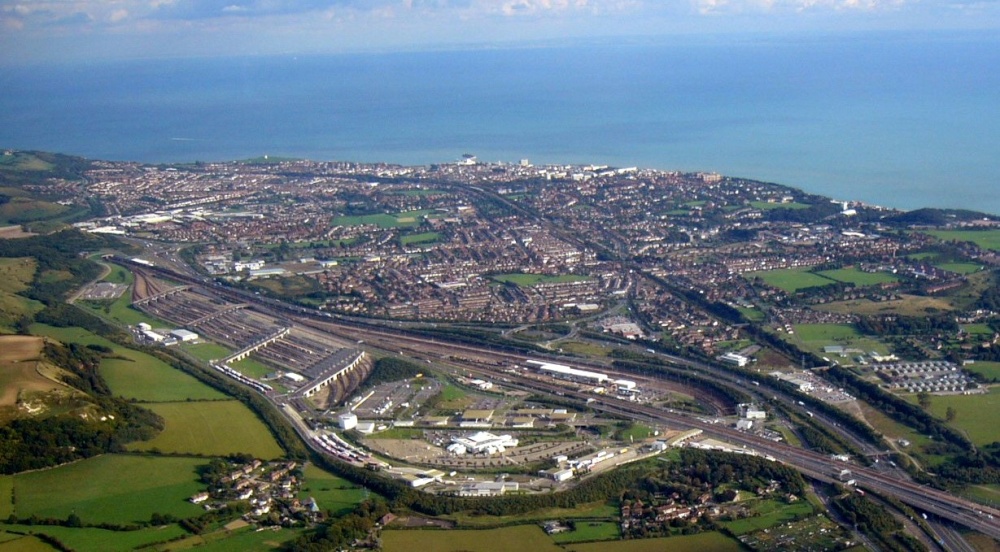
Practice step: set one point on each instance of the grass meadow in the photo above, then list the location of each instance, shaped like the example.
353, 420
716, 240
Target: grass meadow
790, 279
977, 415
111, 488
769, 513
519, 538
589, 531
21, 543
400, 220
211, 428
814, 337
525, 280
92, 539
702, 542
331, 492
989, 370
858, 277
136, 375
987, 239
145, 378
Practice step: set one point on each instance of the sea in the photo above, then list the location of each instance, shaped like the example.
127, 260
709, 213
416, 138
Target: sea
900, 119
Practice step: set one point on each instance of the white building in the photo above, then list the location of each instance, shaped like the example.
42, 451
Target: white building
733, 358
752, 412
484, 442
347, 421
184, 336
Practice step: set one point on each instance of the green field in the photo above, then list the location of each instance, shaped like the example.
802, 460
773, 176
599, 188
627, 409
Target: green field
136, 375
211, 428
520, 538
331, 492
769, 513
16, 274
399, 433
111, 488
145, 378
23, 544
978, 329
22, 209
987, 239
977, 415
702, 542
206, 351
247, 539
592, 510
960, 268
814, 337
859, 278
635, 432
426, 237
589, 531
790, 279
825, 332
525, 280
91, 539
400, 220
252, 367
989, 370
122, 311
768, 206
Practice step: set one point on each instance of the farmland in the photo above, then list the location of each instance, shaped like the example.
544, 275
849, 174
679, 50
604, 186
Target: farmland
18, 543
144, 378
977, 416
211, 428
510, 539
716, 542
87, 539
589, 531
110, 488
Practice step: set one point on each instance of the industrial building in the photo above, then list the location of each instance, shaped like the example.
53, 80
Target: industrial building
565, 372
481, 442
184, 336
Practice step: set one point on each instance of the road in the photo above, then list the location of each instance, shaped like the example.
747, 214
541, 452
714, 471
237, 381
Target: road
812, 464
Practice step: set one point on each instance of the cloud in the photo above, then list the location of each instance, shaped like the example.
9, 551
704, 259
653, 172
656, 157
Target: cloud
707, 7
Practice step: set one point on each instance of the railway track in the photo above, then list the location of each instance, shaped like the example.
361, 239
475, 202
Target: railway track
815, 465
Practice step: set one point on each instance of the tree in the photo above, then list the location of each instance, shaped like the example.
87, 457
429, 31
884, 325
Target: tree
924, 400
951, 414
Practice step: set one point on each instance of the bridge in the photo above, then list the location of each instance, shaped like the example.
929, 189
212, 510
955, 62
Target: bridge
213, 315
258, 344
331, 369
161, 295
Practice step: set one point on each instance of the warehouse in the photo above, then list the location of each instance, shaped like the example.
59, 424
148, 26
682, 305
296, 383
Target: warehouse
481, 442
565, 372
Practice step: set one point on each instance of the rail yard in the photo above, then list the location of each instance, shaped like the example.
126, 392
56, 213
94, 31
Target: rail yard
318, 337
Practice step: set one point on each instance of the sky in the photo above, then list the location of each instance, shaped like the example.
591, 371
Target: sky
35, 31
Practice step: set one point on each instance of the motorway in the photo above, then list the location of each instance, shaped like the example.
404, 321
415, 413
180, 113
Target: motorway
812, 464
